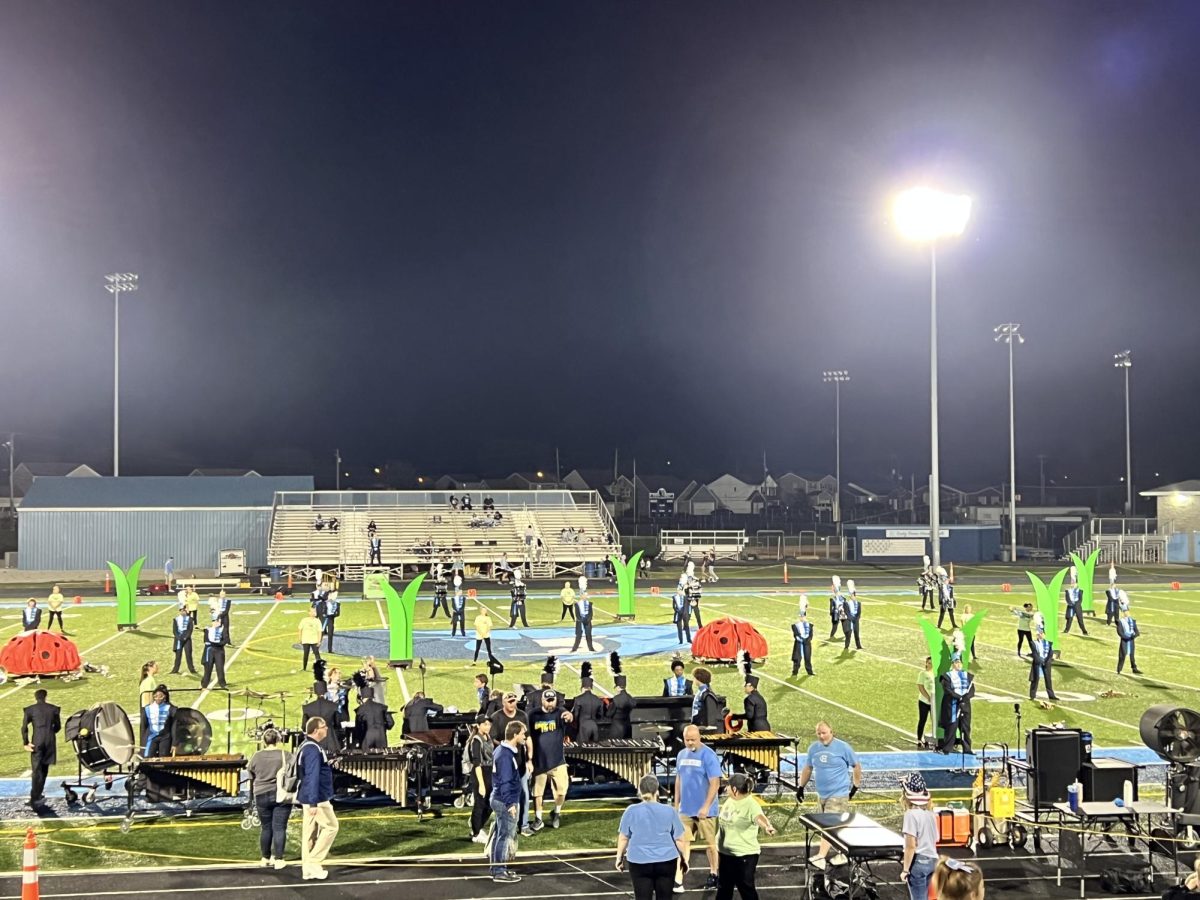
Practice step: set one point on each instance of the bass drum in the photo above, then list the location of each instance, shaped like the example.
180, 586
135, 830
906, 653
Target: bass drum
102, 736
192, 733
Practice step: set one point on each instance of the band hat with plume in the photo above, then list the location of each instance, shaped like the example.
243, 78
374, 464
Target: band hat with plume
850, 586
837, 582
550, 670
585, 674
746, 667
614, 663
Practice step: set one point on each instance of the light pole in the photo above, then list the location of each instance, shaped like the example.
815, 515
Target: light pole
923, 214
337, 470
1009, 333
837, 377
117, 284
1124, 360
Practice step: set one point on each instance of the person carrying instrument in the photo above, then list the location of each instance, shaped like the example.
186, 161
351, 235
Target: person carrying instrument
755, 704
517, 606
621, 705
372, 722
946, 595
958, 687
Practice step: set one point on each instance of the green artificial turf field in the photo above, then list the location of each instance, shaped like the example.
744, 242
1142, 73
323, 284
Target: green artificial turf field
868, 695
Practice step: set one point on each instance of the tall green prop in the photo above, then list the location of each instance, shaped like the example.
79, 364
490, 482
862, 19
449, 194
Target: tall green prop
941, 652
401, 609
126, 587
1047, 602
626, 578
1087, 577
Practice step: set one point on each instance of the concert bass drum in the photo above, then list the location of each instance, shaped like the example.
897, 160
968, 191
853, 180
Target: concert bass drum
102, 736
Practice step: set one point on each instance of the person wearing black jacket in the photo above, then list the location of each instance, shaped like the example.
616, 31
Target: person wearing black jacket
479, 757
677, 685
224, 605
39, 734
416, 713
946, 598
1127, 635
587, 709
708, 708
682, 613
958, 687
1112, 604
31, 616
182, 627
372, 722
850, 624
802, 635
333, 609
158, 724
755, 706
620, 707
327, 710
214, 653
516, 608
1042, 665
1074, 600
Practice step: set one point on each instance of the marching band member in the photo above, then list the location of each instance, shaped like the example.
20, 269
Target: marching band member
693, 593
958, 687
333, 609
439, 591
31, 615
1042, 665
372, 722
1127, 634
621, 705
946, 596
754, 705
583, 617
1122, 602
803, 605
837, 607
852, 607
517, 605
310, 637
926, 582
587, 708
681, 609
181, 628
708, 709
1024, 626
802, 634
458, 610
214, 653
1075, 608
1112, 599
326, 709
677, 685
710, 566
158, 723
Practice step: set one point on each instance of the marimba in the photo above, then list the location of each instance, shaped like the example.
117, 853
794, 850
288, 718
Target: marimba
627, 759
385, 770
175, 778
751, 751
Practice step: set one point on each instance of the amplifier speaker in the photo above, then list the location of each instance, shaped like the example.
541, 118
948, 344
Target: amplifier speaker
1104, 779
1055, 756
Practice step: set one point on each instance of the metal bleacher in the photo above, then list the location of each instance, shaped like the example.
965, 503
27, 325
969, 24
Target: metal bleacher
1121, 541
418, 527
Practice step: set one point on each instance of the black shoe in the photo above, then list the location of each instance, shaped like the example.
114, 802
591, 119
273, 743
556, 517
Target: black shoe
506, 878
711, 882
1137, 671
1053, 697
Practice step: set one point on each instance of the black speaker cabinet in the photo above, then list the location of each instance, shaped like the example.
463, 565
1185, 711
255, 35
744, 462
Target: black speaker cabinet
1054, 756
1104, 779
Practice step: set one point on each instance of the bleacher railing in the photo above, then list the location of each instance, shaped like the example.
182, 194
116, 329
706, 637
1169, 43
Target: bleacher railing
366, 500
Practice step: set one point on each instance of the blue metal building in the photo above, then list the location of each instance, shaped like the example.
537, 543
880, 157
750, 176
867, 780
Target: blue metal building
908, 543
81, 523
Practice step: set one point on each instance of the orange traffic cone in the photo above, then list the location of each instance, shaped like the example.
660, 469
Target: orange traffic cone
952, 573
289, 579
107, 583
785, 578
29, 875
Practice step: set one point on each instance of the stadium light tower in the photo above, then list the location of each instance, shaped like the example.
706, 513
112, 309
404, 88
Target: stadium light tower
1124, 360
117, 284
837, 377
926, 215
1009, 333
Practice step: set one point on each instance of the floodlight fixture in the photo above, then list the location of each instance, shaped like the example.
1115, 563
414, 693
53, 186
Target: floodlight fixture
924, 214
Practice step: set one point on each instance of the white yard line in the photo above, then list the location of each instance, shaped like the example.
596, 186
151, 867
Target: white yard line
238, 652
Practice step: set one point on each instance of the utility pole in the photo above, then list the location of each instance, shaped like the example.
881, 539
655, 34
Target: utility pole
12, 452
1124, 360
1042, 478
557, 468
337, 475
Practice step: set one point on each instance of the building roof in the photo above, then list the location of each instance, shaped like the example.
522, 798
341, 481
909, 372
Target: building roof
1191, 486
212, 473
171, 491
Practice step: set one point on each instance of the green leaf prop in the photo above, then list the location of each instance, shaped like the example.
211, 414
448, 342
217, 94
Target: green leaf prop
400, 620
970, 627
1087, 577
939, 651
1047, 602
626, 576
126, 587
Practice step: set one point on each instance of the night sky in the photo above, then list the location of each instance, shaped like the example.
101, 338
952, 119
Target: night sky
462, 234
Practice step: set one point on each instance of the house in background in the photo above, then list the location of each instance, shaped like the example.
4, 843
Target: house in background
220, 473
696, 500
27, 473
736, 495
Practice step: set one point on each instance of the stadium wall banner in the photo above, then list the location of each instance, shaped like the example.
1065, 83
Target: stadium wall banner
893, 546
922, 533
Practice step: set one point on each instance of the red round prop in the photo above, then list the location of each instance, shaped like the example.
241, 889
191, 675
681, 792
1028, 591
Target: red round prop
40, 653
1175, 585
722, 640
1006, 587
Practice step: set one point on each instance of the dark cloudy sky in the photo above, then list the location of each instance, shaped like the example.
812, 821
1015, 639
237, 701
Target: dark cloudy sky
462, 234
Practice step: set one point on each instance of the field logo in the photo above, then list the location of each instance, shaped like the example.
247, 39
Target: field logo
126, 587
400, 620
1047, 602
941, 652
1087, 577
626, 578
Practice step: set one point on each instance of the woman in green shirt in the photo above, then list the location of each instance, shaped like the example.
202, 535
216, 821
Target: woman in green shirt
737, 840
926, 688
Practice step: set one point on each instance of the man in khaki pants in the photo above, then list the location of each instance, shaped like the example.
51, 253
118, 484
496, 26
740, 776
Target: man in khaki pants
315, 791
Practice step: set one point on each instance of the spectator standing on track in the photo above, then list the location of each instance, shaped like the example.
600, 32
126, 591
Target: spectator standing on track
697, 781
831, 761
169, 573
314, 794
737, 839
55, 604
920, 837
500, 720
505, 802
273, 816
926, 692
479, 756
650, 839
548, 726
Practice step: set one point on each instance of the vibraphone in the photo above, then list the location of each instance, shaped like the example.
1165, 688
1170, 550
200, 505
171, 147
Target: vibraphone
627, 759
179, 778
756, 753
387, 771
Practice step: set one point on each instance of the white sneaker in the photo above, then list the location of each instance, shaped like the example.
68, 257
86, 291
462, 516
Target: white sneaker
316, 874
264, 862
678, 889
480, 838
838, 859
279, 863
817, 862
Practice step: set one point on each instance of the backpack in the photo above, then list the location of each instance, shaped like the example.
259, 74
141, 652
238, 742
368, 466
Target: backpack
287, 779
1125, 881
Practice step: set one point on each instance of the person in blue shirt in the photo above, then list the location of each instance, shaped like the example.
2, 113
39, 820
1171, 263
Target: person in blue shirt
333, 609
682, 614
458, 613
697, 782
1075, 609
838, 774
583, 622
506, 798
1127, 634
314, 793
802, 635
650, 839
1042, 664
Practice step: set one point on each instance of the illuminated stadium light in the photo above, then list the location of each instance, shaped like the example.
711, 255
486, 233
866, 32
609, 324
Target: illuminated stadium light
1124, 360
118, 283
923, 214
